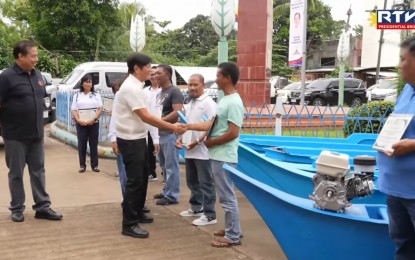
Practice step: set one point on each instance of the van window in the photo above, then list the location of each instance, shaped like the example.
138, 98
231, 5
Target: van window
110, 77
72, 77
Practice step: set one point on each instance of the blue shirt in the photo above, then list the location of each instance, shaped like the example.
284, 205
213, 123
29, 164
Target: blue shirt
397, 174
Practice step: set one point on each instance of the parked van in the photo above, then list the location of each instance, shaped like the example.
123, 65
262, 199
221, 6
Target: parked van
277, 83
103, 75
385, 90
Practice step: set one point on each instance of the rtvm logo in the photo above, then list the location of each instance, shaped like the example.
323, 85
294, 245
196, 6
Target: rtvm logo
395, 20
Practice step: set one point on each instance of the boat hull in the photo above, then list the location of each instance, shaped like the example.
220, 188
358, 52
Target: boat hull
305, 232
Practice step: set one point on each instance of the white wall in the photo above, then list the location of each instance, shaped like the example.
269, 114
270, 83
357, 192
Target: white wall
390, 48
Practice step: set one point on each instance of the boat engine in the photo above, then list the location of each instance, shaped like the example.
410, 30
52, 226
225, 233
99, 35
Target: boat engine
335, 184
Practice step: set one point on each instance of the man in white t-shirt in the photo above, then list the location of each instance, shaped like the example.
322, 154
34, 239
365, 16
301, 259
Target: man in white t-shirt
198, 170
130, 109
153, 143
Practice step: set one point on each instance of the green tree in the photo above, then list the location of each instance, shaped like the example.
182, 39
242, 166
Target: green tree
200, 35
211, 59
282, 7
45, 62
358, 30
17, 11
5, 51
73, 25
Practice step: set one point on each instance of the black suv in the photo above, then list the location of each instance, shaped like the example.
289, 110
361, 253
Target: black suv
323, 92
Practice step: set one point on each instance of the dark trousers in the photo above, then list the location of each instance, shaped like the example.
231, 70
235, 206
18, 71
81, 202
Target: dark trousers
151, 157
87, 134
201, 185
402, 226
18, 154
134, 154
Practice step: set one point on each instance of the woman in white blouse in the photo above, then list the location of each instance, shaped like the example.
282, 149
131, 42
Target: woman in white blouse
86, 110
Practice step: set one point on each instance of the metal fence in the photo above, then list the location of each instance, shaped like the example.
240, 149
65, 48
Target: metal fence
269, 119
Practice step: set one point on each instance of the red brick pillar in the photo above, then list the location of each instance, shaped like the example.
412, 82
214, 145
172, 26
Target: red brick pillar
255, 50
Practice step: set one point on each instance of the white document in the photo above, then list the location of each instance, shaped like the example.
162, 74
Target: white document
187, 138
87, 114
107, 104
392, 131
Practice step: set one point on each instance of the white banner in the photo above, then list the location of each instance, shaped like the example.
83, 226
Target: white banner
295, 50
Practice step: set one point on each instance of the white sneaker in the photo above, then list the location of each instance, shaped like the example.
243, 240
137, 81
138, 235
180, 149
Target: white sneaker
203, 221
152, 178
191, 213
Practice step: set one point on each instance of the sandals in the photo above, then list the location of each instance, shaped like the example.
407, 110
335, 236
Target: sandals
221, 233
223, 242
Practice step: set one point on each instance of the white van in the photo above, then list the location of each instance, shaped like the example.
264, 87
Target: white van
103, 75
386, 90
277, 83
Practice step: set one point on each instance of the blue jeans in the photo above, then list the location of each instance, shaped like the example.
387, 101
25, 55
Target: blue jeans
402, 226
121, 173
227, 199
200, 182
169, 163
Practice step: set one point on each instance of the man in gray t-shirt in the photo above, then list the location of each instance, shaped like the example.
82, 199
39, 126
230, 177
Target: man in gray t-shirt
170, 100
170, 97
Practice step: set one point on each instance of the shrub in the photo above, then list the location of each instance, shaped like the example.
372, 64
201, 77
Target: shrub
45, 62
368, 118
66, 65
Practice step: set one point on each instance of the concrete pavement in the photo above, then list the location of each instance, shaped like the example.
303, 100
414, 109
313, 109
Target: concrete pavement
90, 204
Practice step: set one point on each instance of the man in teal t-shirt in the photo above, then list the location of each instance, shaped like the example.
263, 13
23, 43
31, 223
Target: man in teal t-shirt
223, 148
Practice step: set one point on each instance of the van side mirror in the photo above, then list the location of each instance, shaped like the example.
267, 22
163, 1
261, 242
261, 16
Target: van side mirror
77, 86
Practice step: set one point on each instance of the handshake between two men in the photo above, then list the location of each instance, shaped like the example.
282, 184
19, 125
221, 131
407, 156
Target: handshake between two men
181, 128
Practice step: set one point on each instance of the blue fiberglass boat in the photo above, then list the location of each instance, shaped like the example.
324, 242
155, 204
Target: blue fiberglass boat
287, 177
357, 138
306, 154
305, 232
354, 142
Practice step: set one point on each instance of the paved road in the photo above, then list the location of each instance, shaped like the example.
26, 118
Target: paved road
90, 204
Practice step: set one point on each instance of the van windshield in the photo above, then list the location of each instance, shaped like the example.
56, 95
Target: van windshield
72, 77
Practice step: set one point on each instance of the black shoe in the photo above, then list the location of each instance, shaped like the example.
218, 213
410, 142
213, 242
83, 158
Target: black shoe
96, 169
146, 209
135, 231
158, 196
49, 214
82, 170
165, 201
146, 218
17, 217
